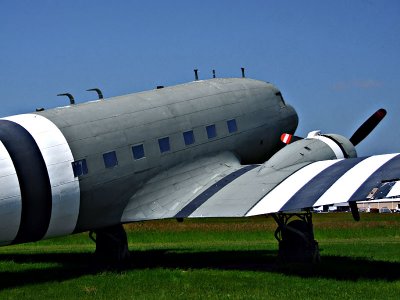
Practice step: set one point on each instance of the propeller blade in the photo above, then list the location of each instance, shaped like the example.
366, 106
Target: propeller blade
365, 129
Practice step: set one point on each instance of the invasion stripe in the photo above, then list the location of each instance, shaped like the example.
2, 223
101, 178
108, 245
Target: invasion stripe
346, 185
33, 179
275, 199
339, 151
395, 191
211, 191
390, 170
10, 199
316, 187
58, 157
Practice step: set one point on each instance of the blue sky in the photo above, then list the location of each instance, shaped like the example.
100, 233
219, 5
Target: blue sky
336, 62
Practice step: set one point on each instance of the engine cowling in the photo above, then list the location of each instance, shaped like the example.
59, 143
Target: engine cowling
315, 147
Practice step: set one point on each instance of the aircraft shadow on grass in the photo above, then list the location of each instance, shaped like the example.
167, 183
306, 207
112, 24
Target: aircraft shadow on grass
74, 265
69, 266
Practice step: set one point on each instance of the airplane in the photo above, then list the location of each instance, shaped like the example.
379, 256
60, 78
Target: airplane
221, 147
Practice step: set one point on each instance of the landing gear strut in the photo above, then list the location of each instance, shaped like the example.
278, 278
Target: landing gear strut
296, 238
111, 244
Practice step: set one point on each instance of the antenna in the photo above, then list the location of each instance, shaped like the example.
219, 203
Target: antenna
71, 98
99, 93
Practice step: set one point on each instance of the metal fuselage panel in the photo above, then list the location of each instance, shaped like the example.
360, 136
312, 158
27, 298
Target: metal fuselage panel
116, 124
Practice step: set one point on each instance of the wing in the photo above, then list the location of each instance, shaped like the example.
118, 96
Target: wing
221, 187
169, 192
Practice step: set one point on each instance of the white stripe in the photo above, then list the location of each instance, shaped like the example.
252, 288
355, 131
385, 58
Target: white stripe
335, 148
10, 198
395, 191
277, 198
345, 186
58, 158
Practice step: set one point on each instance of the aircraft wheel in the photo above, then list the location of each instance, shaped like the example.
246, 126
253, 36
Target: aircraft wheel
297, 243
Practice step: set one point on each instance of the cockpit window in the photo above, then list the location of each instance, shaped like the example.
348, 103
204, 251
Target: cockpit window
279, 94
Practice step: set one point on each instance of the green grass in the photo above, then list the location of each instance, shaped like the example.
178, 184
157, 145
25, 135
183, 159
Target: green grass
215, 258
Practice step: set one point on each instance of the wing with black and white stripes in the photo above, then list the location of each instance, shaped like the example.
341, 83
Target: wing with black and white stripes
234, 190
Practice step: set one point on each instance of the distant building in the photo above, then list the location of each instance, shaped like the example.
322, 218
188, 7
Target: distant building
393, 203
365, 206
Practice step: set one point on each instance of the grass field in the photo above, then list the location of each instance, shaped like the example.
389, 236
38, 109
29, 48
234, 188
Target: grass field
217, 258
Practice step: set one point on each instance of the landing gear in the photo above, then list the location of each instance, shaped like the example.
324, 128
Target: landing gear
111, 245
296, 238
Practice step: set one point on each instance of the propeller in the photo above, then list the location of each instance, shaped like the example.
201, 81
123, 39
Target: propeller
360, 134
365, 129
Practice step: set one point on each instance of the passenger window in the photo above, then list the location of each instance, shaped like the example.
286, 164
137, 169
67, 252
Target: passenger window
211, 131
164, 144
138, 151
79, 167
188, 136
110, 159
232, 127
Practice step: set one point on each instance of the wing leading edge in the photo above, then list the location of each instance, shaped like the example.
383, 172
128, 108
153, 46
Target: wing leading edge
234, 190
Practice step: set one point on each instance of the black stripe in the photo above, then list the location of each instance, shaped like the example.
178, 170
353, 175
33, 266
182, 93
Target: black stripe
389, 170
211, 191
316, 187
33, 180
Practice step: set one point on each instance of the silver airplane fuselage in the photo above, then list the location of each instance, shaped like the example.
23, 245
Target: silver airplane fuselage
112, 147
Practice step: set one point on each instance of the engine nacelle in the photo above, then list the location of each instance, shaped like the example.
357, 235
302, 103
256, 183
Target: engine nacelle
314, 148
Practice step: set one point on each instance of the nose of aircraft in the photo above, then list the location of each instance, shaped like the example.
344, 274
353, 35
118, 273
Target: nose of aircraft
293, 118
